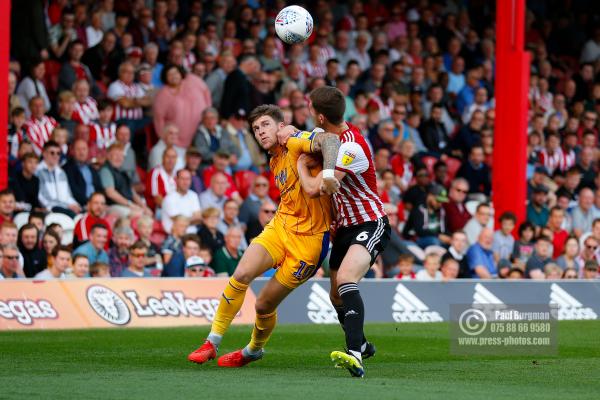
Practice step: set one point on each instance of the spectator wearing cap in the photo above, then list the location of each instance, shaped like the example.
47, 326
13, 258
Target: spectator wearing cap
96, 208
94, 248
247, 154
82, 177
540, 174
183, 100
537, 209
481, 257
190, 246
215, 80
534, 268
237, 89
55, 193
481, 219
227, 257
196, 267
61, 256
476, 172
457, 214
183, 202
250, 208
210, 136
426, 222
137, 261
122, 199
144, 78
583, 214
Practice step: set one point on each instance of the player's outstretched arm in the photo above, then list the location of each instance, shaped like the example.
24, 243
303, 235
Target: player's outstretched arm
329, 145
310, 184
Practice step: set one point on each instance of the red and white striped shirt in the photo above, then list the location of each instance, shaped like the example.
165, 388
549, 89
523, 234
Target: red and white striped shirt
188, 61
86, 112
117, 90
38, 131
314, 70
559, 160
161, 184
103, 135
357, 201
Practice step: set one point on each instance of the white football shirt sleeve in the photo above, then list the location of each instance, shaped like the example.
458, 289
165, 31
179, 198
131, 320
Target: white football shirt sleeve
352, 158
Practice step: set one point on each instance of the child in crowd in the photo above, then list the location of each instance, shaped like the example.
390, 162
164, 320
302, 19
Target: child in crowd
504, 242
524, 246
81, 267
431, 269
99, 270
405, 265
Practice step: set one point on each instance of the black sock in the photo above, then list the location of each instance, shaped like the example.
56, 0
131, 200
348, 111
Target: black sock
340, 313
354, 315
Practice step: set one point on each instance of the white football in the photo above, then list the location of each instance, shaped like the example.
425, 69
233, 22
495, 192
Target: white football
293, 24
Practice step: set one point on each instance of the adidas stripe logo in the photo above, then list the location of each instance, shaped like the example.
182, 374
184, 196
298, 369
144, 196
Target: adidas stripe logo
568, 306
320, 309
409, 308
482, 295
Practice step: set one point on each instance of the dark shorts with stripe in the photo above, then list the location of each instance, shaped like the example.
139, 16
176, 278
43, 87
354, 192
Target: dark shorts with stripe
372, 235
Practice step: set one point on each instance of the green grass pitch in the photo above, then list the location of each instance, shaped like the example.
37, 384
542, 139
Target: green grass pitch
413, 362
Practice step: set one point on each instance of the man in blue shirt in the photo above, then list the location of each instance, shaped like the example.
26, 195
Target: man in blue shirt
137, 261
481, 257
94, 248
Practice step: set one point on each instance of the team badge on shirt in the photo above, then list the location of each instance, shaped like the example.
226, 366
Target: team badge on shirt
348, 157
304, 135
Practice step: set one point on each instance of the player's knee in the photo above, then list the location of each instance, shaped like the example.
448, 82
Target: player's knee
243, 276
264, 306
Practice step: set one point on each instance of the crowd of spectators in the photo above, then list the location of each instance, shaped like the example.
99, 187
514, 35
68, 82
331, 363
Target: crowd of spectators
130, 153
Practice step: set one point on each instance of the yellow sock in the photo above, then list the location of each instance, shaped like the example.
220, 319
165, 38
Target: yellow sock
263, 327
231, 302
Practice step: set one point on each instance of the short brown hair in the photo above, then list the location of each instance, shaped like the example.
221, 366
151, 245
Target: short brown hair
330, 102
270, 110
97, 267
139, 245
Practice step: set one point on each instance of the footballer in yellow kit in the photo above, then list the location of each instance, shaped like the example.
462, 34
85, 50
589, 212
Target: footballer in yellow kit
295, 241
297, 238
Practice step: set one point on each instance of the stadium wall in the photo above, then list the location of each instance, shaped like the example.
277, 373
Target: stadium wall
98, 303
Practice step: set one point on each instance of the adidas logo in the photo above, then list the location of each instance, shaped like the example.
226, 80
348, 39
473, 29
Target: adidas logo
482, 296
568, 306
351, 312
320, 309
409, 308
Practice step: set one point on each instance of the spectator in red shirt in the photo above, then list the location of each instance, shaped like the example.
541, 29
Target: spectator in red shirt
96, 208
555, 222
457, 214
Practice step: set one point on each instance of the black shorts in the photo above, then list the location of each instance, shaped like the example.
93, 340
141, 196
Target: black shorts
373, 235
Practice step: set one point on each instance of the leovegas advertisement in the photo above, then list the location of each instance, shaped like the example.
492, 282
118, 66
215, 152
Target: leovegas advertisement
101, 303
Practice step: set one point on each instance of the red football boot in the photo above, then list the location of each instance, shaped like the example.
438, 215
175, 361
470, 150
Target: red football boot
236, 359
204, 353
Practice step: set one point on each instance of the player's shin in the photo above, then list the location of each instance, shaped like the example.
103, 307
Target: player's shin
231, 302
263, 328
354, 316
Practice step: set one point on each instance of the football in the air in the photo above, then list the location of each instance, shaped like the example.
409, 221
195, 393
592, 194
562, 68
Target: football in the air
293, 24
